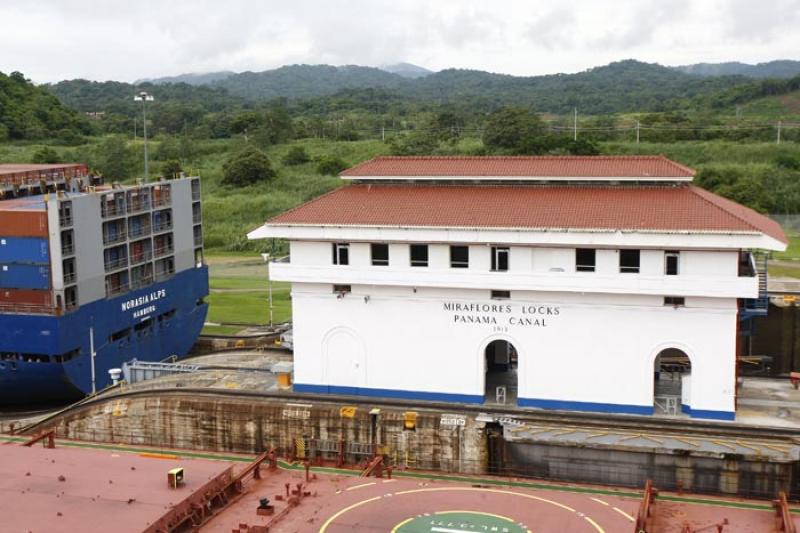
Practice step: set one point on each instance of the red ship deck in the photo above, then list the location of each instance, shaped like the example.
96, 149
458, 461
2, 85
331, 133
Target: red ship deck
124, 490
101, 490
340, 504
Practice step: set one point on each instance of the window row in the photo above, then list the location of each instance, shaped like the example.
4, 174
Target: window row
585, 258
674, 301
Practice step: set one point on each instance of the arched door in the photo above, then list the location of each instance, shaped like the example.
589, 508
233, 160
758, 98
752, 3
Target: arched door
672, 371
501, 362
345, 364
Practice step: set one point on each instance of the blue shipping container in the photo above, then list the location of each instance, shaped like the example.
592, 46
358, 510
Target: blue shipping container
24, 250
18, 276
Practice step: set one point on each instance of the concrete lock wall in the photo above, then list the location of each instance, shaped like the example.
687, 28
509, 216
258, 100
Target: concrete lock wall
439, 441
576, 351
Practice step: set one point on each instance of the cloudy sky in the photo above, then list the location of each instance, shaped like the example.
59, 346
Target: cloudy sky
51, 40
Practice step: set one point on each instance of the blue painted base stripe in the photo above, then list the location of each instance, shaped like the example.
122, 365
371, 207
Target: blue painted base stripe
565, 405
389, 393
712, 415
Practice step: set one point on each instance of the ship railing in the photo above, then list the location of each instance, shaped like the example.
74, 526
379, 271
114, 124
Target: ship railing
115, 238
112, 209
164, 250
141, 231
28, 309
197, 218
112, 290
65, 221
142, 257
70, 277
135, 207
162, 200
67, 249
161, 276
198, 239
195, 194
114, 264
141, 282
162, 226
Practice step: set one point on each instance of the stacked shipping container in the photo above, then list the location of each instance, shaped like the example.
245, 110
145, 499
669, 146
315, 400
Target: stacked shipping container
24, 258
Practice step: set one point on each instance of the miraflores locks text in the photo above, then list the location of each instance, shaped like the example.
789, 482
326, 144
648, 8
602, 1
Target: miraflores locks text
497, 314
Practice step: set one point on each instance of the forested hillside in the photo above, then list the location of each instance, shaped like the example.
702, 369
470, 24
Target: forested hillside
771, 69
30, 112
625, 86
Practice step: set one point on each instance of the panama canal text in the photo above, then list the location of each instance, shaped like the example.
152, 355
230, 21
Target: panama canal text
492, 314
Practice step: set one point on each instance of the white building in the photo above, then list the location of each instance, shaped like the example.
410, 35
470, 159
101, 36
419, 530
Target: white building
567, 282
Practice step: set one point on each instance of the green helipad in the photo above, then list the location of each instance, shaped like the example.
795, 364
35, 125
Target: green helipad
460, 522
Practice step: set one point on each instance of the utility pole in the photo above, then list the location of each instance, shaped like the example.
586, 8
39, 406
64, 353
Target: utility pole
637, 132
575, 125
383, 133
134, 129
778, 141
92, 355
144, 97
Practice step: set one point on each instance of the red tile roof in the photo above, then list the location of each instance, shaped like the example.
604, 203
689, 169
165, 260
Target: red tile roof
648, 208
646, 167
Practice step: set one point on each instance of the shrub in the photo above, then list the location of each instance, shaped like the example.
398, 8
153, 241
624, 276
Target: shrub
171, 168
46, 155
248, 165
297, 155
330, 165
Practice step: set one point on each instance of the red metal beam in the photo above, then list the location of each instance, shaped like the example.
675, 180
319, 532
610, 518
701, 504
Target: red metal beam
50, 435
785, 522
646, 508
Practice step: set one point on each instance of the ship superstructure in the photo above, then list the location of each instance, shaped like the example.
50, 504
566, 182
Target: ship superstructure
94, 275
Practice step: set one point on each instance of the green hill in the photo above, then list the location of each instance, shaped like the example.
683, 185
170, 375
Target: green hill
30, 112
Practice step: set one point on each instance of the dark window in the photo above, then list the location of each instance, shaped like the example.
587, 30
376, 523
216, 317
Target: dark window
459, 257
677, 301
499, 259
419, 255
501, 295
585, 259
342, 289
119, 335
629, 261
144, 325
341, 253
671, 260
380, 254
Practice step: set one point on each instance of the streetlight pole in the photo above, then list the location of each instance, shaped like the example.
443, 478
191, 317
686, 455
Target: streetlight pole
266, 258
144, 97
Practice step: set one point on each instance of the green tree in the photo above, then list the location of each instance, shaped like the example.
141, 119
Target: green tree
330, 165
171, 168
297, 155
513, 130
247, 166
46, 155
114, 159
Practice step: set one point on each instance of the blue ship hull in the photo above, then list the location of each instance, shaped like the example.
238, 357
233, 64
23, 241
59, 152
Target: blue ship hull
160, 320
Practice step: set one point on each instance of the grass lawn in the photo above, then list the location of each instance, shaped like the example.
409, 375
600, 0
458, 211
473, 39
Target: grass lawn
245, 307
792, 251
781, 271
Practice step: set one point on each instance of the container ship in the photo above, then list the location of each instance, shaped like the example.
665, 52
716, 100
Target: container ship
93, 275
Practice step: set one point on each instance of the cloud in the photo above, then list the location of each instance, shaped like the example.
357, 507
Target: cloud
555, 29
50, 40
759, 22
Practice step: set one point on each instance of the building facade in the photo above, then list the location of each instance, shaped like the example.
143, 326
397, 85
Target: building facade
606, 284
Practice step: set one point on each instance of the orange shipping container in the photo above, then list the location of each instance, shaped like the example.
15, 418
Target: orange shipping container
25, 297
18, 223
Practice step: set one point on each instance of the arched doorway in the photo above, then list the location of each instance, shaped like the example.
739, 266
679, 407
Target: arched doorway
672, 382
501, 372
